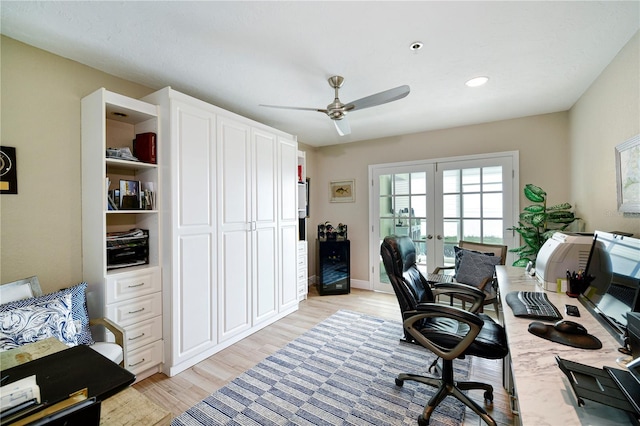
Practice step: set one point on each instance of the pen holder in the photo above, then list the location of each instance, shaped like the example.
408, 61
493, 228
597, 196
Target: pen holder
578, 285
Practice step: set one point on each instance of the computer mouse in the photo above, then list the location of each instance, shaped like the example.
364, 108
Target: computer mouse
569, 327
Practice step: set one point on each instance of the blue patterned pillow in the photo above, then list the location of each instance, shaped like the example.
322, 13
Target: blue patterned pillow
38, 321
79, 309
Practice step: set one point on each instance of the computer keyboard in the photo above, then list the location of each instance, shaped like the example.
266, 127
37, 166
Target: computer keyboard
532, 304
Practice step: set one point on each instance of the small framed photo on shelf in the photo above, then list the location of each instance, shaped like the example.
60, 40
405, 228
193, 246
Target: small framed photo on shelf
342, 191
130, 195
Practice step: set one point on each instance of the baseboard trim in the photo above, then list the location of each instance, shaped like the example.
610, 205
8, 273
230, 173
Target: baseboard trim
359, 284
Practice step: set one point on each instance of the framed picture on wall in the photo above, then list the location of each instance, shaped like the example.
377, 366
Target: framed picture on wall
8, 173
628, 175
342, 191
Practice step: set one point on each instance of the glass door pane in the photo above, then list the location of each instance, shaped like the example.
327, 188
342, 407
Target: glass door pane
402, 204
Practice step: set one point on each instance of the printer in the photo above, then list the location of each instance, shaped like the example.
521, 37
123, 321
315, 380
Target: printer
564, 251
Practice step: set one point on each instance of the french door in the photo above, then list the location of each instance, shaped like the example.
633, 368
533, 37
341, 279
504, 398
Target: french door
440, 202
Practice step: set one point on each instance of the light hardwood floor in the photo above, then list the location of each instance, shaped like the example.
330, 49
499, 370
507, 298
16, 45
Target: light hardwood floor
184, 390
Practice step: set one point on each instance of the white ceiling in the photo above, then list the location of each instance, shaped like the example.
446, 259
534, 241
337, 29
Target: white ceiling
540, 56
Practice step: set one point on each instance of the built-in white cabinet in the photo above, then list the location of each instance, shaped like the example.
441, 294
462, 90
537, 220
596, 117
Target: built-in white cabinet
303, 202
303, 271
130, 292
229, 227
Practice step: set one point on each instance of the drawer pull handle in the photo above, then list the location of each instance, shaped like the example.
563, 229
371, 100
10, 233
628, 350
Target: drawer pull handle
137, 363
136, 285
135, 312
137, 337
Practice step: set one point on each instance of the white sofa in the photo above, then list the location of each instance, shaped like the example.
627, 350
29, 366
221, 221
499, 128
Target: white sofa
27, 315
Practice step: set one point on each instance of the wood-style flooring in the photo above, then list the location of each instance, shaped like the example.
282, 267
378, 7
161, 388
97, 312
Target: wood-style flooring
184, 390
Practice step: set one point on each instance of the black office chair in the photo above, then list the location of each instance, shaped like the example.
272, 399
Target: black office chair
447, 331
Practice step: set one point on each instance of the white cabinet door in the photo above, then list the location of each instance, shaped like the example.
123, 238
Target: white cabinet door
265, 217
288, 223
235, 226
191, 178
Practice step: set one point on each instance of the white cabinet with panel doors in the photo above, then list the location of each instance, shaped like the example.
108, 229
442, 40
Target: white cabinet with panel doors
227, 234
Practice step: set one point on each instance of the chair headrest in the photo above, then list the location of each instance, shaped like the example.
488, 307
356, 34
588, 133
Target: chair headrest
402, 251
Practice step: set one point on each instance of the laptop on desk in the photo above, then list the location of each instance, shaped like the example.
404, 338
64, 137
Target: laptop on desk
60, 374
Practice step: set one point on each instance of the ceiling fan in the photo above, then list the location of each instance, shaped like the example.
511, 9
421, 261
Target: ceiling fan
337, 110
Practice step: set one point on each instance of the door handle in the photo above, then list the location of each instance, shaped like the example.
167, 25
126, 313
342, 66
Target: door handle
439, 237
429, 237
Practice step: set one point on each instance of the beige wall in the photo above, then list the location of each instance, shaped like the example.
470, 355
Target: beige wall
606, 115
40, 116
40, 228
534, 137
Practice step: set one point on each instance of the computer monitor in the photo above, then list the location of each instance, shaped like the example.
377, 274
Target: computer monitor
633, 333
614, 266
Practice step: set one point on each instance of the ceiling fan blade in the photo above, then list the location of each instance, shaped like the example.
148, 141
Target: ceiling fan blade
379, 98
292, 107
342, 126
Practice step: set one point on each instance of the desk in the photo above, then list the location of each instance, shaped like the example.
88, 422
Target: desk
127, 407
542, 392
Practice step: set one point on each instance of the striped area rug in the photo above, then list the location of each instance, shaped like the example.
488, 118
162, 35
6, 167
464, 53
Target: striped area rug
341, 372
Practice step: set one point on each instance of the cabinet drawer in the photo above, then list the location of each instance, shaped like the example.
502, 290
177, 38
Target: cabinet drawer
302, 274
128, 285
144, 358
133, 311
143, 333
302, 248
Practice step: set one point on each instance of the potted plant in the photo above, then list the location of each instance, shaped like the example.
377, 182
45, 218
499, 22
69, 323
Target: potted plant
538, 223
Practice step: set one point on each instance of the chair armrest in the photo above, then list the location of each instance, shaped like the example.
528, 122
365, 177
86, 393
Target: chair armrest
442, 268
458, 290
114, 328
484, 283
433, 310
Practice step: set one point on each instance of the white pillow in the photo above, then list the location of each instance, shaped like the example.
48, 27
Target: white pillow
15, 291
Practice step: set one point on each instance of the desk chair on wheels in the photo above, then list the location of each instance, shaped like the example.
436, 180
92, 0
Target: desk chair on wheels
449, 332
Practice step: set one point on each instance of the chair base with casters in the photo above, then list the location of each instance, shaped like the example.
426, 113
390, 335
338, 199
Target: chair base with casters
448, 386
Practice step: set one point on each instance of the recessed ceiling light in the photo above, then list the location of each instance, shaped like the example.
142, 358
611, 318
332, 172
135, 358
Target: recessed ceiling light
416, 45
477, 81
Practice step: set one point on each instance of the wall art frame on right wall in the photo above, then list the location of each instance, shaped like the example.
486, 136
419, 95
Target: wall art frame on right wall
628, 175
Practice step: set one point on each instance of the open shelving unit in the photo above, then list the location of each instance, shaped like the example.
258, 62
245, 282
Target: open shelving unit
131, 296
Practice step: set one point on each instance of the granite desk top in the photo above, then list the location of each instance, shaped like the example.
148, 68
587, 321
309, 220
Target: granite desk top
544, 394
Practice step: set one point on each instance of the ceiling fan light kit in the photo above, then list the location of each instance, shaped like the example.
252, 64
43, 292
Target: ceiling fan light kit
337, 110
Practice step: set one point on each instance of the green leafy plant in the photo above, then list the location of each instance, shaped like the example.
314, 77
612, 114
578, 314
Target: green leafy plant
538, 223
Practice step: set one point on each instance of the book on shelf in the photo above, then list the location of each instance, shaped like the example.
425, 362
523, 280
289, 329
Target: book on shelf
144, 147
